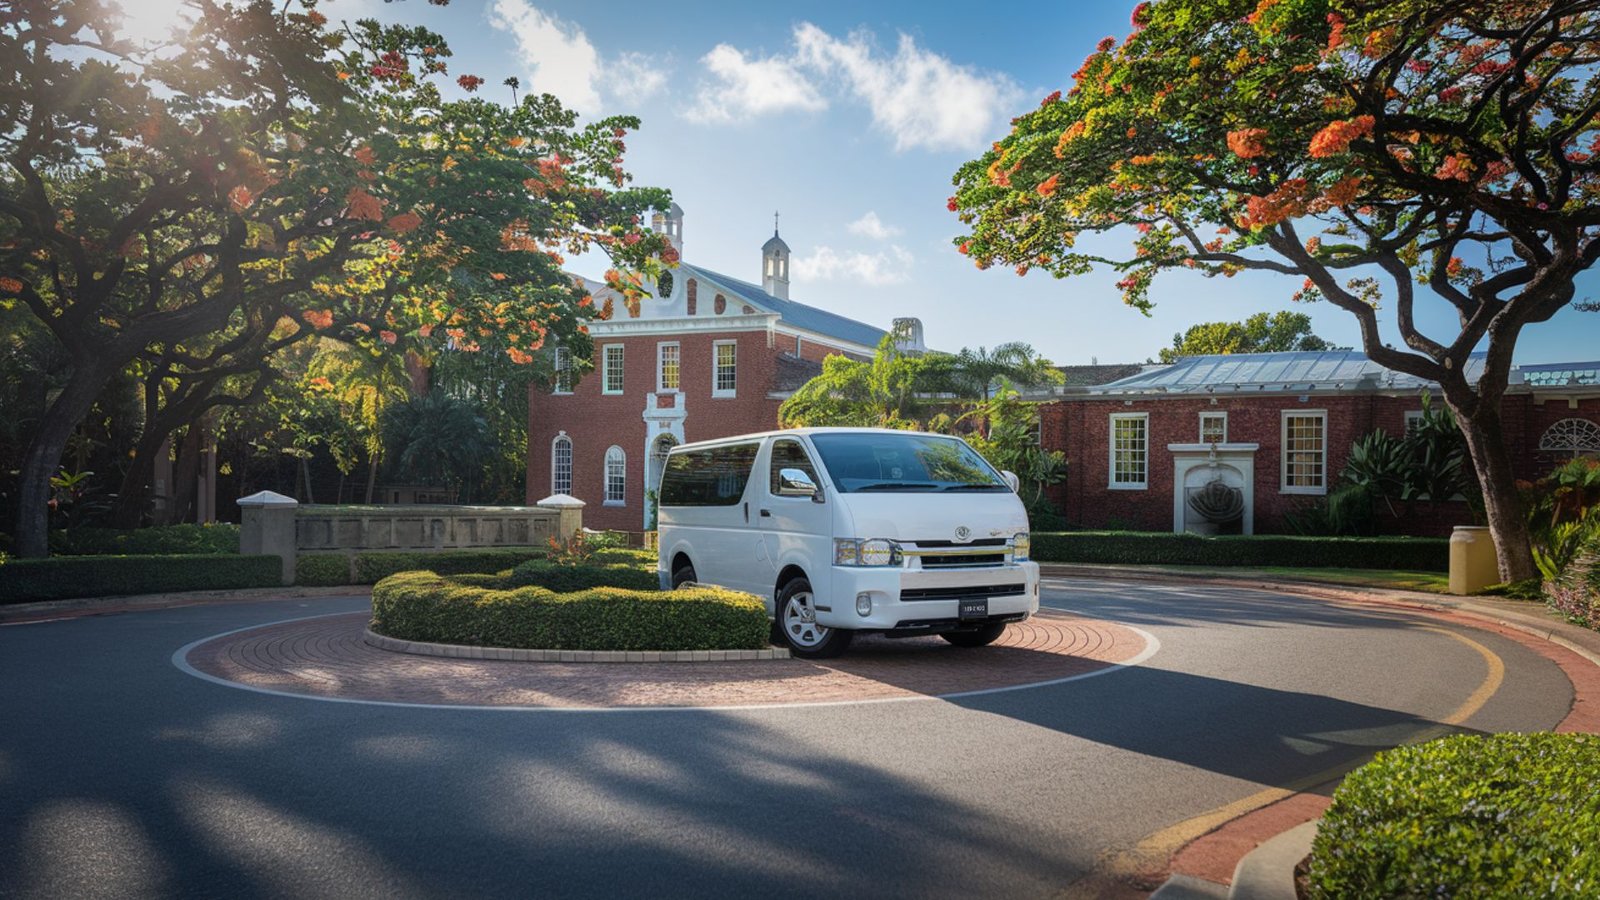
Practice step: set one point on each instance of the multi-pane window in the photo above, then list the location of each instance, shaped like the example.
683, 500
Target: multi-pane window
1413, 420
563, 370
1213, 428
725, 357
561, 465
1305, 452
611, 369
667, 367
1130, 450
616, 476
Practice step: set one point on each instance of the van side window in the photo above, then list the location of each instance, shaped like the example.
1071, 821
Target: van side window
789, 455
712, 477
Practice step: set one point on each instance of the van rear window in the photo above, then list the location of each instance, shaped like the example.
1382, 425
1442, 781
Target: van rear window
712, 477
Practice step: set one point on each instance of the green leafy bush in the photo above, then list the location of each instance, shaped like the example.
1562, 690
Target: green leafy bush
615, 555
424, 606
322, 569
563, 578
606, 540
1507, 815
1165, 548
30, 580
375, 565
162, 539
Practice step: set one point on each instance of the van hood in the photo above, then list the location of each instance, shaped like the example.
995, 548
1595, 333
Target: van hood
933, 516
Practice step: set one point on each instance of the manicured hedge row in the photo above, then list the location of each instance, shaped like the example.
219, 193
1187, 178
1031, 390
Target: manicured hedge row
1159, 548
1507, 815
423, 606
29, 580
162, 539
566, 578
374, 566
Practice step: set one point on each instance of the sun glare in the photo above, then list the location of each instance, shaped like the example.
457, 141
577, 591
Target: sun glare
152, 21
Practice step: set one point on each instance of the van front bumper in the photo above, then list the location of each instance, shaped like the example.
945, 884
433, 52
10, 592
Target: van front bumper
910, 601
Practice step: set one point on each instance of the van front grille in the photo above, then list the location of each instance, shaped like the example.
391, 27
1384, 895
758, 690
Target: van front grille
980, 542
977, 592
965, 561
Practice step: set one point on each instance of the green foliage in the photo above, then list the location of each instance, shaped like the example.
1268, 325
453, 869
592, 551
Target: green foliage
437, 440
1527, 589
322, 569
423, 606
1505, 815
1563, 514
619, 555
1260, 333
564, 578
164, 539
606, 540
32, 580
1008, 438
1575, 592
1163, 548
374, 565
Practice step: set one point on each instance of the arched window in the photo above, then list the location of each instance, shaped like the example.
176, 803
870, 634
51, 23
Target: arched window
1575, 436
561, 464
616, 476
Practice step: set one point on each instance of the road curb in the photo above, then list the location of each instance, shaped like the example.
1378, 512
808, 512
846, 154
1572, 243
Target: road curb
468, 651
48, 610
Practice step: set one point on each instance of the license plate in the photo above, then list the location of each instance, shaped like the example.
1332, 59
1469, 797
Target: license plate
974, 609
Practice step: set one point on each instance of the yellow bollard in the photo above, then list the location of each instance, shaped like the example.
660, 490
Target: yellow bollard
1472, 561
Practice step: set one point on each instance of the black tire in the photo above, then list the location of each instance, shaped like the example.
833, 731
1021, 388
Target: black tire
983, 637
802, 635
682, 575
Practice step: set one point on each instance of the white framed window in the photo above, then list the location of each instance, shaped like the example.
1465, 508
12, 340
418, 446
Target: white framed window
1213, 428
611, 369
616, 477
1130, 450
725, 368
1413, 420
668, 366
1305, 451
563, 371
561, 464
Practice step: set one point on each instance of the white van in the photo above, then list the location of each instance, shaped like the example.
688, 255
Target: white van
845, 530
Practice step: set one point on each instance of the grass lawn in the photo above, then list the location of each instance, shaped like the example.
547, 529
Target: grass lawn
1397, 579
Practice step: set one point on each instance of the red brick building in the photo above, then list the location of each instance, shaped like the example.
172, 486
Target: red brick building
1277, 426
709, 356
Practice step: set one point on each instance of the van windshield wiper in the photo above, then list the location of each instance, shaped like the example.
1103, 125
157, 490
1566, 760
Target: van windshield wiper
975, 487
897, 486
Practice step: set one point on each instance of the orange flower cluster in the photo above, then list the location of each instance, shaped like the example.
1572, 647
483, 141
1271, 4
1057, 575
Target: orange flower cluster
1336, 136
361, 205
1456, 167
405, 222
1286, 202
519, 357
1073, 132
318, 318
1248, 143
1335, 31
1047, 187
10, 285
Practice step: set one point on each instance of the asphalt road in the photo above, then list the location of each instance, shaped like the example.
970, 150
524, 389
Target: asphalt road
121, 776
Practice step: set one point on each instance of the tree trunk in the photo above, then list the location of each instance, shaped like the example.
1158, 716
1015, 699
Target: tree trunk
372, 476
1502, 504
133, 498
43, 458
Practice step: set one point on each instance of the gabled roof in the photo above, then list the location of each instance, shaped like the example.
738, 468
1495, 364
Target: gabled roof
792, 372
1088, 376
799, 315
1295, 370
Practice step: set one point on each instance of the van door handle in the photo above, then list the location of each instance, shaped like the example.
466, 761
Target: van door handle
766, 513
747, 513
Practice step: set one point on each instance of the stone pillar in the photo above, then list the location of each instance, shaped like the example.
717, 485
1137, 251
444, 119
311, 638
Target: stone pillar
267, 528
571, 510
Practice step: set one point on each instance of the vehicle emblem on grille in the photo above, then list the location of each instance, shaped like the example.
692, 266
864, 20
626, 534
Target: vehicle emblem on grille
963, 533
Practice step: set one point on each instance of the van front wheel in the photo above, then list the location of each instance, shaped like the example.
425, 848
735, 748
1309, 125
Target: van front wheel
797, 620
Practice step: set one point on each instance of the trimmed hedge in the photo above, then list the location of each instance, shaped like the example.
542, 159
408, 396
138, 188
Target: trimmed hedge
156, 540
424, 606
1162, 548
612, 555
30, 580
1506, 815
566, 578
375, 565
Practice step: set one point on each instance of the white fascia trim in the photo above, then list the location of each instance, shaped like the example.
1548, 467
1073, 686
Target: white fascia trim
628, 327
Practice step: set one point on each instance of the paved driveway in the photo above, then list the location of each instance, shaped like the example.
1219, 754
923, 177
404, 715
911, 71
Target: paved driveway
122, 776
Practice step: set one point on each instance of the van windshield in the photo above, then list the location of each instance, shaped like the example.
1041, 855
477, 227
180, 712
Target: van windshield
905, 462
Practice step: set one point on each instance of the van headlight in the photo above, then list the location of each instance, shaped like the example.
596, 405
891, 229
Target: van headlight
1021, 545
870, 552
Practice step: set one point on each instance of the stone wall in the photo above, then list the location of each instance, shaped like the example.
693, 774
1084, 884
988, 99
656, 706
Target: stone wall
324, 529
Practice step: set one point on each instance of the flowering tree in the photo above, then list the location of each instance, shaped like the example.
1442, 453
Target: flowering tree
193, 209
1382, 153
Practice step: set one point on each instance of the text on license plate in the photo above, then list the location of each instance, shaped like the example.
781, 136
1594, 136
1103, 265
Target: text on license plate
974, 609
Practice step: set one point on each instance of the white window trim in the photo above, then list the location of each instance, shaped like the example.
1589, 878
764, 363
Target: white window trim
556, 387
605, 477
1213, 413
1111, 453
555, 442
661, 353
1283, 452
716, 391
605, 368
1412, 415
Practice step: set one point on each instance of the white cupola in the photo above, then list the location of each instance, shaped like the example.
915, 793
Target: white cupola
670, 224
775, 264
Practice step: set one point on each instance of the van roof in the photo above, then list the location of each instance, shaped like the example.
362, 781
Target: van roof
758, 435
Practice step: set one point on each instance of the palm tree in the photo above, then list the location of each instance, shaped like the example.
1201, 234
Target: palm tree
365, 384
437, 440
978, 370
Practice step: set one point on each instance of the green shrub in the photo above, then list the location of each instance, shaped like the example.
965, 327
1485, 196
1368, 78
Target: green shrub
375, 565
1507, 815
322, 569
614, 555
162, 539
423, 606
565, 578
1164, 548
606, 540
30, 580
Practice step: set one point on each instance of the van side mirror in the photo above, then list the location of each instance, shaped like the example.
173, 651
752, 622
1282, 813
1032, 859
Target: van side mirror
1011, 480
797, 483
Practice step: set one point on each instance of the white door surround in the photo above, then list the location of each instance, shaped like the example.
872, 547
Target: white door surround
1195, 465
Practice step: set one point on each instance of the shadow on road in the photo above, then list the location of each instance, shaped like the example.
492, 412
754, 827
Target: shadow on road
1179, 605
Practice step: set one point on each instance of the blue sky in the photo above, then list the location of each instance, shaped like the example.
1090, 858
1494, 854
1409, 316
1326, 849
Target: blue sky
850, 119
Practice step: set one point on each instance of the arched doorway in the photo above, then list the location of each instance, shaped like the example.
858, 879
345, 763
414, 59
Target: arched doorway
655, 465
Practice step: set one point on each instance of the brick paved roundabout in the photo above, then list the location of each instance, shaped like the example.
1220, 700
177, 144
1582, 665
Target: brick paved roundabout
326, 657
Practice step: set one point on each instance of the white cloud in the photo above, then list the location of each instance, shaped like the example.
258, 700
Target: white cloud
892, 265
565, 63
918, 97
741, 88
871, 226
